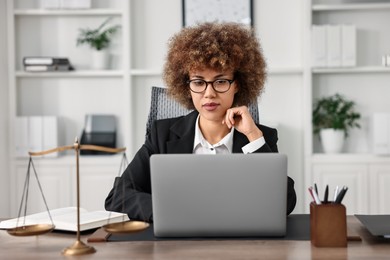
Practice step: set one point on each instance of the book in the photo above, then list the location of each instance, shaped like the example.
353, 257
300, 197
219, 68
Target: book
21, 136
49, 134
348, 45
65, 219
35, 133
46, 64
35, 138
39, 68
41, 60
333, 39
48, 68
319, 51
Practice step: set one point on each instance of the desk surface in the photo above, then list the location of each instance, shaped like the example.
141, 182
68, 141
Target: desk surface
50, 246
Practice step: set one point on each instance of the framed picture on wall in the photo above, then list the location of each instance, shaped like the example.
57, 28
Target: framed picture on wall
196, 11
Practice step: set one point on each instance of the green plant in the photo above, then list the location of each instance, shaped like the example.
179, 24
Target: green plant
335, 112
97, 38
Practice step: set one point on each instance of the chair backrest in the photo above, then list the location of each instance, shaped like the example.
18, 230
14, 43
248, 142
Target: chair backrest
162, 106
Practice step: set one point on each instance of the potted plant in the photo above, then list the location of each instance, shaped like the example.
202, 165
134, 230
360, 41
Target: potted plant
98, 39
333, 117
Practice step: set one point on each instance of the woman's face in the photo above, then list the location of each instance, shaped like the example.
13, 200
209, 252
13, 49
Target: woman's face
210, 104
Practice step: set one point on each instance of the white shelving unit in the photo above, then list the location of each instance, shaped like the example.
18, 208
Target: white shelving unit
122, 90
66, 12
348, 6
33, 31
367, 84
53, 33
70, 74
367, 69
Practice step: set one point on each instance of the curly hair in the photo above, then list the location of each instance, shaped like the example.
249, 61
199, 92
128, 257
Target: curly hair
217, 46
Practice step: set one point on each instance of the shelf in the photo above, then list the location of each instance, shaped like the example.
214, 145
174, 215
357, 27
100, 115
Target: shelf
349, 158
67, 12
283, 71
70, 159
351, 7
368, 69
70, 74
146, 72
271, 71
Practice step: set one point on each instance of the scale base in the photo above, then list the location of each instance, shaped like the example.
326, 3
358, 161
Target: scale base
78, 248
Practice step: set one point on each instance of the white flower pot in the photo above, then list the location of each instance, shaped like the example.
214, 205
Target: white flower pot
99, 59
332, 140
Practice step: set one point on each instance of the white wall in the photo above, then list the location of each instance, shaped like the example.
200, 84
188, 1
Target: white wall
4, 172
279, 25
151, 29
280, 33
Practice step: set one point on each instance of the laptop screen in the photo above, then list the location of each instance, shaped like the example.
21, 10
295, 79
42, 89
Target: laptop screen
219, 195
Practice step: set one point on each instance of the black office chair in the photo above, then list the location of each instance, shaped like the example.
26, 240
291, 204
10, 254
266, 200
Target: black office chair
162, 106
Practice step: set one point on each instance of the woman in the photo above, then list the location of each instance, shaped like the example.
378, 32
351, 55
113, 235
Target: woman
217, 69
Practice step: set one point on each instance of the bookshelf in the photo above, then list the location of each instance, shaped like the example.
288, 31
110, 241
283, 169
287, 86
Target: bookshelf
122, 90
366, 174
70, 95
53, 33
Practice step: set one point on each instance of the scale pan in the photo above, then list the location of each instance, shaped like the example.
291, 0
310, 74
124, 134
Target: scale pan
31, 230
126, 227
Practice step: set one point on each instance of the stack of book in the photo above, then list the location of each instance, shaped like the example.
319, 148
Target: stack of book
35, 133
334, 45
46, 64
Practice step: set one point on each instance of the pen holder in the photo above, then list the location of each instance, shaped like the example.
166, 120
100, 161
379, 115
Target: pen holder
328, 225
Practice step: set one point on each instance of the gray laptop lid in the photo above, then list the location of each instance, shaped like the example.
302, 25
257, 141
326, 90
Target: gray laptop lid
219, 195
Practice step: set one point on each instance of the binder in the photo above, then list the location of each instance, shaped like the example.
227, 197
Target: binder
348, 45
381, 133
333, 41
50, 134
21, 136
318, 46
35, 133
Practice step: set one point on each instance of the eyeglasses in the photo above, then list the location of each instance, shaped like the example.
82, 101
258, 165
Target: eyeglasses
219, 85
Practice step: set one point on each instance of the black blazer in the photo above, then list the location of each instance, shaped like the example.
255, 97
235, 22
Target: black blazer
131, 193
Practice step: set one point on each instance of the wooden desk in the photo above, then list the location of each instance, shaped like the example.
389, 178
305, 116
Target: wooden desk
51, 245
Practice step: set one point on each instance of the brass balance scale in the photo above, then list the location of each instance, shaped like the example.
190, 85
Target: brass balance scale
78, 247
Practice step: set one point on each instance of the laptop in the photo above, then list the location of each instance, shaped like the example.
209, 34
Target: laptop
228, 195
378, 225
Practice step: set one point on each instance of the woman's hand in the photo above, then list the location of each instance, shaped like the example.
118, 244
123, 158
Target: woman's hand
242, 121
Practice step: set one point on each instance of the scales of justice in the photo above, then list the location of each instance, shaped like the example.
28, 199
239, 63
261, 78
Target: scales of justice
78, 247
